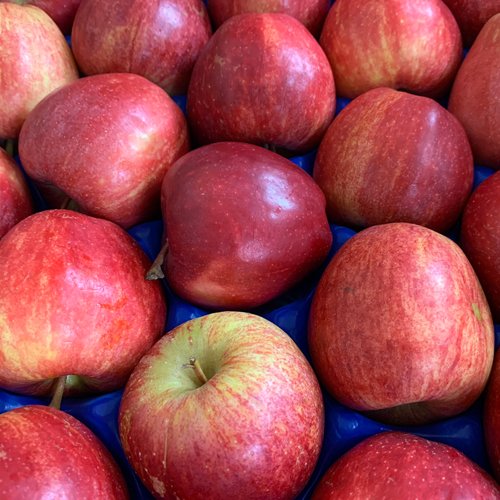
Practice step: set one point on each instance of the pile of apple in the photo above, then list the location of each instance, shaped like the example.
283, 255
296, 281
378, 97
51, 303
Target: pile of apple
249, 249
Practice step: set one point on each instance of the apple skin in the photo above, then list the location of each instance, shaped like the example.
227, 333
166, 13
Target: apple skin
401, 465
412, 45
492, 417
15, 198
262, 79
399, 327
311, 13
421, 172
254, 430
472, 15
74, 302
158, 39
35, 61
480, 238
257, 226
47, 453
106, 141
475, 95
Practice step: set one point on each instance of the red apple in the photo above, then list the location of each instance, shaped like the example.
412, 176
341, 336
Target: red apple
412, 45
159, 40
395, 157
492, 417
480, 238
263, 79
475, 96
106, 142
472, 15
35, 60
311, 13
46, 453
399, 326
15, 198
73, 302
400, 465
225, 404
257, 225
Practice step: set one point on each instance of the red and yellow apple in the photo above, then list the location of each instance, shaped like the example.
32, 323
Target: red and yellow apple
492, 417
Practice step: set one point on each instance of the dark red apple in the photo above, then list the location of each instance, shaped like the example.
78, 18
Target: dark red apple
106, 142
243, 225
158, 39
35, 60
492, 417
46, 453
311, 13
399, 326
262, 79
412, 45
74, 303
395, 157
475, 96
400, 465
15, 198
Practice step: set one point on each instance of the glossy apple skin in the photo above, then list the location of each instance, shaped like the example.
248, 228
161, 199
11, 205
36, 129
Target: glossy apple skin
492, 417
257, 226
475, 95
47, 453
73, 301
395, 157
399, 326
480, 238
15, 198
412, 45
472, 15
262, 79
159, 40
35, 61
254, 430
311, 13
106, 141
401, 465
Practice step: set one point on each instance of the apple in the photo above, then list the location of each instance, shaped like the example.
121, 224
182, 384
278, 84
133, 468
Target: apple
257, 225
480, 238
35, 61
159, 40
475, 95
106, 142
46, 453
492, 417
262, 79
311, 13
412, 45
15, 198
402, 465
223, 403
471, 16
395, 157
399, 327
74, 304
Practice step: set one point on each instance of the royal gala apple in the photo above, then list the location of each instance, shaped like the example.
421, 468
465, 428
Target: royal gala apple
223, 406
35, 61
159, 40
46, 453
480, 238
492, 417
105, 141
257, 225
400, 465
412, 45
475, 96
74, 303
15, 198
311, 13
399, 326
262, 79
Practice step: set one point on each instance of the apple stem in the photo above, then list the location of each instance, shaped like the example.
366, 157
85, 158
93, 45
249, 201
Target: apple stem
9, 147
55, 402
69, 204
271, 147
155, 271
198, 370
